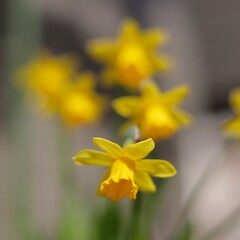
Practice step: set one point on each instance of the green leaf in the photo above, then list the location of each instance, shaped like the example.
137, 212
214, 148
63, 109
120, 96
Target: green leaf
108, 224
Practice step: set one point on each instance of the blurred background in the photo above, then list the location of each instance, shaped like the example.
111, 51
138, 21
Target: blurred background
205, 45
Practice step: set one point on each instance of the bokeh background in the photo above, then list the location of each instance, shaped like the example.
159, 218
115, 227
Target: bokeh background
205, 45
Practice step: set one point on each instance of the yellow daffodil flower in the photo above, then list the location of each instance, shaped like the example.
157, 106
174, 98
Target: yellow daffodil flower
46, 78
155, 112
53, 81
132, 57
81, 104
128, 171
232, 126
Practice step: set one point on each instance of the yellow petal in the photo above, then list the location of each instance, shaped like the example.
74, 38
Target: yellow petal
157, 168
140, 150
232, 127
234, 99
154, 37
182, 116
163, 63
175, 96
126, 106
150, 90
109, 147
144, 182
101, 49
130, 29
93, 157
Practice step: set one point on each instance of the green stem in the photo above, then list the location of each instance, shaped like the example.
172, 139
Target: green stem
132, 135
134, 227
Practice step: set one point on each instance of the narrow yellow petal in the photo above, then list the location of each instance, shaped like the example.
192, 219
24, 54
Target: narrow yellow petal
101, 49
130, 29
182, 116
150, 90
156, 167
232, 127
109, 147
234, 99
126, 106
175, 95
163, 63
140, 150
144, 182
153, 37
93, 157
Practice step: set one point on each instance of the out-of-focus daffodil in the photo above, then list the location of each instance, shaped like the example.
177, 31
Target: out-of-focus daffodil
132, 57
128, 172
232, 126
46, 78
81, 104
58, 88
155, 112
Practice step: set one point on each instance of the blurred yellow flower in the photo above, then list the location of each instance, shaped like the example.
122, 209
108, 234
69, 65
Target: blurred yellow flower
57, 87
128, 172
46, 77
80, 103
232, 126
132, 57
155, 112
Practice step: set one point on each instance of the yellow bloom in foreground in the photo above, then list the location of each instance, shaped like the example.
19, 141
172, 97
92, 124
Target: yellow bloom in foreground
232, 126
81, 104
155, 112
46, 77
132, 57
127, 171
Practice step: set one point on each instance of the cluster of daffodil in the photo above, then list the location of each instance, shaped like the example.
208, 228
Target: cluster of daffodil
130, 60
58, 88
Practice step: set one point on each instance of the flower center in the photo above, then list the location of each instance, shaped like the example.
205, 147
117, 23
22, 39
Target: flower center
133, 64
158, 123
78, 108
